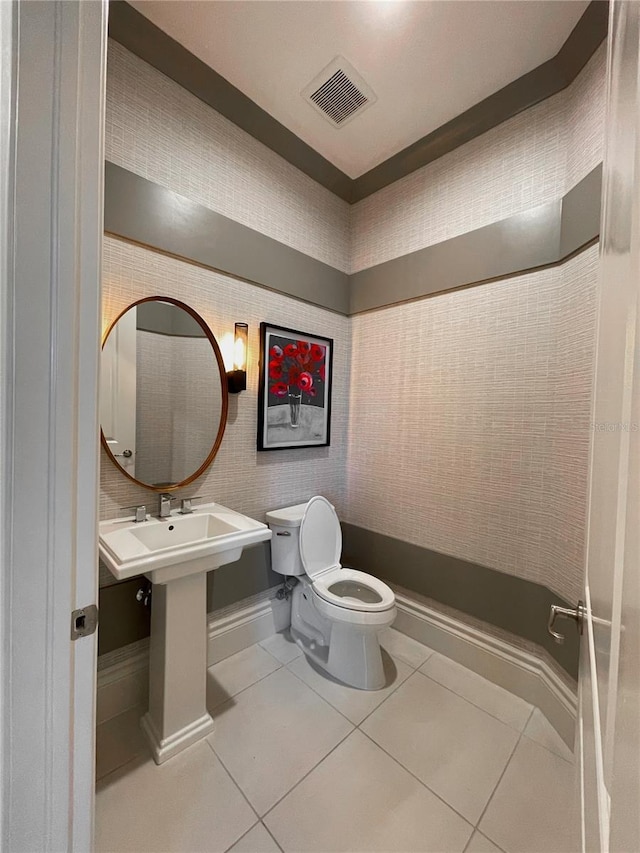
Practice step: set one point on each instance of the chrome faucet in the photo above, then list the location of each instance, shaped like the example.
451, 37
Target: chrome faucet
164, 509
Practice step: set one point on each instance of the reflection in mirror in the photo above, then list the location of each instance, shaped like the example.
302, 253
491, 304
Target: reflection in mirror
163, 402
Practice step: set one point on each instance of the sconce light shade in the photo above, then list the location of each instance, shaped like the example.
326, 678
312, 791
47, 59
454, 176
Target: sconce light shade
237, 378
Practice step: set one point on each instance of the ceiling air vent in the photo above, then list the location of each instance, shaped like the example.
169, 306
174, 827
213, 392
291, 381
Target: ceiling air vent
339, 92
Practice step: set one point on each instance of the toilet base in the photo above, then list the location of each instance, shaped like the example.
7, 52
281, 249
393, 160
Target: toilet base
349, 652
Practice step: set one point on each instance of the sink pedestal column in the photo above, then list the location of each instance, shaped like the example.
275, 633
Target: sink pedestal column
178, 715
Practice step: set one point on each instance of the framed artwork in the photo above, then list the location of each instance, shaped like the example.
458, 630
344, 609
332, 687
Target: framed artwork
294, 399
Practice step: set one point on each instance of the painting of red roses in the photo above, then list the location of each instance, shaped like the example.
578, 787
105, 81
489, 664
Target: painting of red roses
294, 404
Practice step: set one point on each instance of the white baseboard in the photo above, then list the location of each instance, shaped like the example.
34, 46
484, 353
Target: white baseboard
521, 672
126, 684
123, 685
240, 626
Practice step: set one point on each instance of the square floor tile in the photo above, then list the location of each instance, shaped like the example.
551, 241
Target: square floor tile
257, 840
456, 749
185, 805
353, 703
406, 648
540, 729
235, 673
493, 699
282, 647
480, 844
119, 740
533, 808
359, 799
273, 733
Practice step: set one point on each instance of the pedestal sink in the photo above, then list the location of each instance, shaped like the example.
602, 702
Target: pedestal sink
176, 553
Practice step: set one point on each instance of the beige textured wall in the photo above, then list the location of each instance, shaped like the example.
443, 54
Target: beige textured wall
158, 130
469, 418
531, 159
163, 133
468, 411
240, 477
469, 422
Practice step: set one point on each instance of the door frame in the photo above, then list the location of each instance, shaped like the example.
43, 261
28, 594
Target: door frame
609, 698
51, 214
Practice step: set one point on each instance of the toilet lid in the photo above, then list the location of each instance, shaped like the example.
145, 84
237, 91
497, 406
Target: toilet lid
320, 537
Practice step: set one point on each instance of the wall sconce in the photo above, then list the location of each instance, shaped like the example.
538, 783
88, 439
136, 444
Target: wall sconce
237, 378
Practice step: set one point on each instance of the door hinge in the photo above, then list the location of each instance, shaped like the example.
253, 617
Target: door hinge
84, 621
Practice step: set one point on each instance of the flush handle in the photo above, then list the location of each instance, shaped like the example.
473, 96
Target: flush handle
576, 613
283, 533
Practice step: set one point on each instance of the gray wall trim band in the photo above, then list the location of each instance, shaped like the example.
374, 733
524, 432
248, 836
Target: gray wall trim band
511, 603
136, 33
143, 212
544, 81
147, 213
547, 234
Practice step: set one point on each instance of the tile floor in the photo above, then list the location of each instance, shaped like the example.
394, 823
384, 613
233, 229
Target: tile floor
439, 760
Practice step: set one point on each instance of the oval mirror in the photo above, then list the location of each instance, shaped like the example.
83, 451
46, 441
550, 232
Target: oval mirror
163, 393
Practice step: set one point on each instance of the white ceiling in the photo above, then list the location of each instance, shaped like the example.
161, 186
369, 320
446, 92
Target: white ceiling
426, 60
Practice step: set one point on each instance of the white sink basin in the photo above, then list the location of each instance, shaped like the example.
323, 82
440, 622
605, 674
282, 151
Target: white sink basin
169, 548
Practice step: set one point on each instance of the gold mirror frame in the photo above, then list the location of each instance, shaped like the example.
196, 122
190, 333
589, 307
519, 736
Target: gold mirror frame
223, 383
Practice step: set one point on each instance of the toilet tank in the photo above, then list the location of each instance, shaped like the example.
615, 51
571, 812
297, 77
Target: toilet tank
285, 542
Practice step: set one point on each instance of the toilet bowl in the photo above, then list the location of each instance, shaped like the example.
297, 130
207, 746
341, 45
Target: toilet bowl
337, 613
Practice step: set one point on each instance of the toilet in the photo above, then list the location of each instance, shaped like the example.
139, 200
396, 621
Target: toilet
337, 613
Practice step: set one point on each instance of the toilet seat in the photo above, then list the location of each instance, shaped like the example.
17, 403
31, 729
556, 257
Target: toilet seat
320, 538
320, 548
353, 590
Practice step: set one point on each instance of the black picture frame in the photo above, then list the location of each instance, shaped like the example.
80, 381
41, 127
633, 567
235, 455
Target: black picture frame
294, 390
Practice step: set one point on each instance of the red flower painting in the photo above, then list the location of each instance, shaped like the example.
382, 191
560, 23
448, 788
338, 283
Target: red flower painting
297, 367
294, 394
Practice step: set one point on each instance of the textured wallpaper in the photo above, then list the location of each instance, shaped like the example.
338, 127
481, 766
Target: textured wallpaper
460, 421
160, 131
469, 422
240, 477
533, 158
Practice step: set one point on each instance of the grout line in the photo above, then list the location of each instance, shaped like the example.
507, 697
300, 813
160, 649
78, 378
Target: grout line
482, 835
230, 775
132, 760
272, 835
484, 810
260, 642
479, 707
417, 778
244, 689
346, 685
571, 763
116, 768
320, 696
353, 728
253, 826
386, 698
317, 764
561, 757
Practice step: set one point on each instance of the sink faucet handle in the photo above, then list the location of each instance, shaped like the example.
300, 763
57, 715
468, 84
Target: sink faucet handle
140, 511
185, 505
